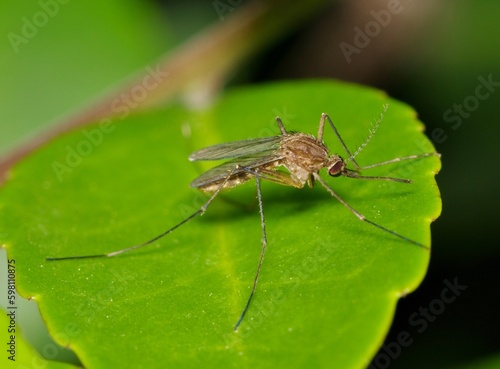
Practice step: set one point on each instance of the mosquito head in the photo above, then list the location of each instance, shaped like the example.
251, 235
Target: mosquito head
336, 165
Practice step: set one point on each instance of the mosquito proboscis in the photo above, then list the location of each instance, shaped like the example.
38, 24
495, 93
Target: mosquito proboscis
301, 155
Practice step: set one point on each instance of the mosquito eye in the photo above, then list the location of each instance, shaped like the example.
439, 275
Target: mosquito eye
336, 169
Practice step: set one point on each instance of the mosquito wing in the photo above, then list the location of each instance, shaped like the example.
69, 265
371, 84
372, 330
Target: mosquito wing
221, 172
261, 146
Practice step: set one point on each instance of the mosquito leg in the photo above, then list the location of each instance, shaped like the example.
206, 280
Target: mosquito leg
200, 211
362, 217
327, 117
262, 252
321, 128
396, 160
354, 174
281, 126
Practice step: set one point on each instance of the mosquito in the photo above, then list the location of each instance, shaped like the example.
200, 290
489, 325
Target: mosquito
290, 159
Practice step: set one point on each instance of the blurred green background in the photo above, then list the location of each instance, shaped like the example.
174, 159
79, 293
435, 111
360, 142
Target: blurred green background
431, 55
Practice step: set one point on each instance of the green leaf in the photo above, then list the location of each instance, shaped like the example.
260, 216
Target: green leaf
329, 283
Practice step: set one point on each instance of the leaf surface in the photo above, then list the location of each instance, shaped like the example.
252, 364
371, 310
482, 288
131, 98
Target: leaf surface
329, 283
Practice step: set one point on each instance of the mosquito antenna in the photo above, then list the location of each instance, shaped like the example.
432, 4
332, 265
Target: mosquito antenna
362, 217
135, 247
370, 135
264, 246
351, 157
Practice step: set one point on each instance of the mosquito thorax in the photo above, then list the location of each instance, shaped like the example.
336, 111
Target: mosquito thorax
335, 165
304, 151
